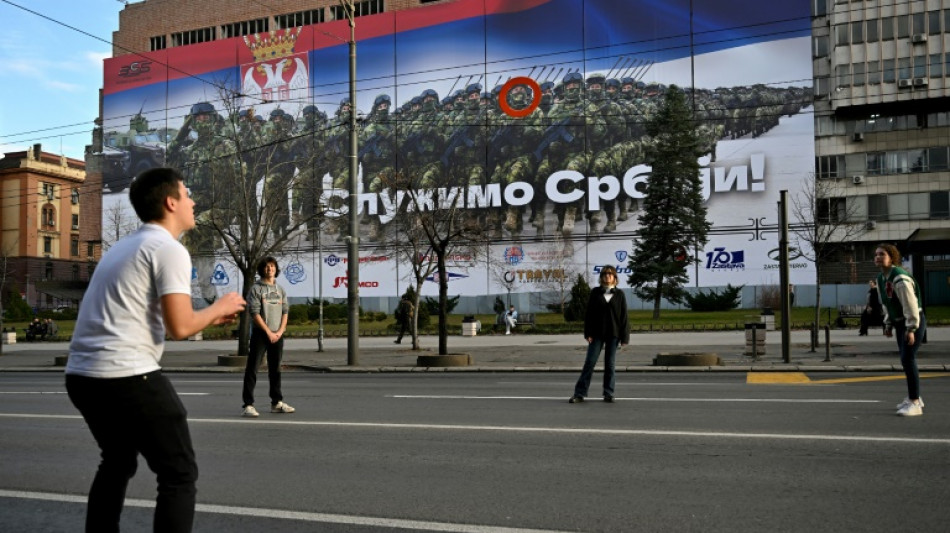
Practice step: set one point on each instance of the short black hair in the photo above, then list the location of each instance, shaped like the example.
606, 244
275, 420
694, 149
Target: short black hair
149, 190
262, 264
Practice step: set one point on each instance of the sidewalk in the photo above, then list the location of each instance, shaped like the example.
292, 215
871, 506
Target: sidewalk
535, 353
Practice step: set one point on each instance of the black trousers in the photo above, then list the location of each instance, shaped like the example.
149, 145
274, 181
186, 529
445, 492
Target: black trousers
275, 351
131, 416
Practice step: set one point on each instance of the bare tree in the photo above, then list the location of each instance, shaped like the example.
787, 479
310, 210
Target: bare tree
827, 221
5, 272
116, 224
245, 180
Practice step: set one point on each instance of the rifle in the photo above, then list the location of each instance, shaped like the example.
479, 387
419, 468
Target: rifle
459, 138
555, 132
373, 145
499, 141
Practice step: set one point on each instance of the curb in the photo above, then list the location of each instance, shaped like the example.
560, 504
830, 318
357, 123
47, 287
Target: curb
523, 369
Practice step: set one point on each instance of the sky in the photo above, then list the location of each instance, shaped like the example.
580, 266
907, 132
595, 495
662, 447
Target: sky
49, 92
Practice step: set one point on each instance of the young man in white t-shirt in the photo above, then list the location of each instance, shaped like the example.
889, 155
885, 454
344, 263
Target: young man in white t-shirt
140, 291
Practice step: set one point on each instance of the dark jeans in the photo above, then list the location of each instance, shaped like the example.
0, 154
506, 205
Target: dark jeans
909, 354
260, 344
593, 354
130, 416
403, 328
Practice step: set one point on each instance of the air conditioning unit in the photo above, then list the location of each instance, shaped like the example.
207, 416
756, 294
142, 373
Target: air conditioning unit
47, 255
904, 84
857, 180
857, 137
919, 38
870, 224
920, 82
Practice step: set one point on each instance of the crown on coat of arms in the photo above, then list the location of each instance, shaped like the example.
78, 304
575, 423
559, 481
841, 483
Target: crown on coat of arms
272, 45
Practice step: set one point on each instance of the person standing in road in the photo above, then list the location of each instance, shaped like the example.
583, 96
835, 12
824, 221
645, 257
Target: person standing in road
404, 315
141, 291
511, 319
871, 315
268, 306
606, 327
903, 318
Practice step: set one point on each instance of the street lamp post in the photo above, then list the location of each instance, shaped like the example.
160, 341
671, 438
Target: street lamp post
353, 251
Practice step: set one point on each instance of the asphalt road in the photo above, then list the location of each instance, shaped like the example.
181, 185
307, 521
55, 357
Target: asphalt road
506, 452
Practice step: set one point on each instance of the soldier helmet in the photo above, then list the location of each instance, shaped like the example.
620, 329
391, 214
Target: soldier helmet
547, 86
458, 94
345, 101
627, 81
383, 98
242, 113
416, 100
277, 114
202, 108
595, 79
572, 77
430, 94
614, 83
496, 90
310, 110
473, 88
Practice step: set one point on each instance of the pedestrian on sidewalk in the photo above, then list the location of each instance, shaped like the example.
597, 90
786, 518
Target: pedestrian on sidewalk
606, 327
140, 290
404, 314
268, 306
872, 315
511, 319
903, 318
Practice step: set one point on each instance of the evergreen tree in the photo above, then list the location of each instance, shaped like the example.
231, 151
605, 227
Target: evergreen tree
576, 308
673, 220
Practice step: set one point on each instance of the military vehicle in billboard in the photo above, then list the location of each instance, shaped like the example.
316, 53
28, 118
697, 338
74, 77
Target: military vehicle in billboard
143, 148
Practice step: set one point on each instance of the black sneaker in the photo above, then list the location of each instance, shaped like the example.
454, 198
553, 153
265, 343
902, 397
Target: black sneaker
608, 398
576, 399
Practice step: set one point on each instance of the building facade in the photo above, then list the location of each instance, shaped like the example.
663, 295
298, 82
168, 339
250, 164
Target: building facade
49, 238
882, 133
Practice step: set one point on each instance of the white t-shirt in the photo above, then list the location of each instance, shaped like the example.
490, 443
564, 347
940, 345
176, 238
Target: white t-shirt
120, 331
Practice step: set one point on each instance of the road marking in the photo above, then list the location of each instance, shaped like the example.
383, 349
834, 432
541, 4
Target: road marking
325, 518
645, 399
785, 378
553, 430
64, 392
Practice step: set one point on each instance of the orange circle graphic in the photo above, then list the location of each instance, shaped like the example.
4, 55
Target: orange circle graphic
512, 83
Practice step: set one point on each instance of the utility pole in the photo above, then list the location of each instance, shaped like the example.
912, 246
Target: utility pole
784, 274
353, 248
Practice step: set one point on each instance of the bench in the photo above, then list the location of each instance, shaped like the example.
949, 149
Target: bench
848, 311
524, 320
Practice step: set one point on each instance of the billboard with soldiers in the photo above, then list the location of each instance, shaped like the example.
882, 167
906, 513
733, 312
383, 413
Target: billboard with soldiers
525, 119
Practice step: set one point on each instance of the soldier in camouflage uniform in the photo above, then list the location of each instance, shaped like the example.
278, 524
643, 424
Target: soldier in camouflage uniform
280, 167
424, 144
605, 161
337, 153
207, 159
313, 163
574, 126
378, 152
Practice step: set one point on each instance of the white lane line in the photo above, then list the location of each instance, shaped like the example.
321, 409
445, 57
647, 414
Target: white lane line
515, 429
324, 518
619, 399
64, 392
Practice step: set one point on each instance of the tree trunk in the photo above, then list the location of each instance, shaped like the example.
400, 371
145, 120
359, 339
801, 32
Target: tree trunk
244, 329
415, 316
814, 330
443, 302
657, 299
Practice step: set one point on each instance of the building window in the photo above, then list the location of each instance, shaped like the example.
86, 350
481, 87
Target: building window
74, 196
903, 68
157, 43
877, 207
875, 163
871, 32
90, 250
75, 272
247, 27
936, 66
857, 73
74, 246
940, 204
903, 26
300, 18
366, 7
887, 71
821, 46
887, 28
937, 157
857, 32
874, 72
49, 216
75, 221
841, 35
49, 270
831, 210
843, 75
184, 38
920, 66
918, 20
827, 166
933, 22
47, 245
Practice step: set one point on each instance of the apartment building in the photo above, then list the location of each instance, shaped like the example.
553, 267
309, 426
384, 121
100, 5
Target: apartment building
48, 245
882, 133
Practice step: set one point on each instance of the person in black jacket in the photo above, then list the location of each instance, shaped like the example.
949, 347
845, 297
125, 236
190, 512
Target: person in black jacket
873, 314
606, 327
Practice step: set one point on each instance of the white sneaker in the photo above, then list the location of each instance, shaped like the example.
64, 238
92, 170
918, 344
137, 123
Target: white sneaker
281, 407
250, 412
911, 409
906, 401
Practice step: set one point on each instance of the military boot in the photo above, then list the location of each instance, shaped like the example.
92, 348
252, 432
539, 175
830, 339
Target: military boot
567, 228
622, 215
611, 226
512, 220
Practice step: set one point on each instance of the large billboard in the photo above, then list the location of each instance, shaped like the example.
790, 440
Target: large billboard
531, 112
